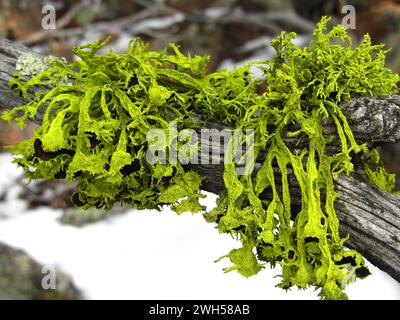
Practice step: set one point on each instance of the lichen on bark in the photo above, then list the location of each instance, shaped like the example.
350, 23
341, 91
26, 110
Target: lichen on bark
94, 131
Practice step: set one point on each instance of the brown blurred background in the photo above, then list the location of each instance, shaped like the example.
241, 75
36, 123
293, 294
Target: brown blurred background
230, 31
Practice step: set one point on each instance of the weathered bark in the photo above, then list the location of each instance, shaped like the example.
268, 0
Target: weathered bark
371, 216
9, 53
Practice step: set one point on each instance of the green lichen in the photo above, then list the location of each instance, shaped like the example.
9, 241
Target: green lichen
94, 132
94, 127
305, 86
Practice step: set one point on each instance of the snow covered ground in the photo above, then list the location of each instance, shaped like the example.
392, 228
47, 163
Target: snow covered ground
149, 254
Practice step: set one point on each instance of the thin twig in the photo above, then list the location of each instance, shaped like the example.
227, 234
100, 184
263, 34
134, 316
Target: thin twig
71, 13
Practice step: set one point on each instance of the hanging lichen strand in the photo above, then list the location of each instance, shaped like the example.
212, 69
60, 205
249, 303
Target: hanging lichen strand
100, 108
304, 86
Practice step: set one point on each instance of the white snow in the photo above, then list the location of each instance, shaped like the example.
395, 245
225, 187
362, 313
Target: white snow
151, 255
215, 12
157, 23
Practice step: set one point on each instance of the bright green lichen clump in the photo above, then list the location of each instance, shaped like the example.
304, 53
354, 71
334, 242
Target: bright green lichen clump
94, 131
94, 126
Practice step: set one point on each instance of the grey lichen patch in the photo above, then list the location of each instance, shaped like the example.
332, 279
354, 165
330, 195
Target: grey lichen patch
30, 65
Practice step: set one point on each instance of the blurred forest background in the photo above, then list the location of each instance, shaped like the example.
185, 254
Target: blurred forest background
230, 31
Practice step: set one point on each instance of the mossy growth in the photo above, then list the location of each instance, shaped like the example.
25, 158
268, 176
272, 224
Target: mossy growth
94, 132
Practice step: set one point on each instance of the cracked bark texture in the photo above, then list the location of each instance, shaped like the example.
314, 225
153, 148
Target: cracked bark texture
9, 53
369, 215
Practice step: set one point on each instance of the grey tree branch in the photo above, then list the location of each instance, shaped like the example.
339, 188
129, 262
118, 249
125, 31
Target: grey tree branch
369, 215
